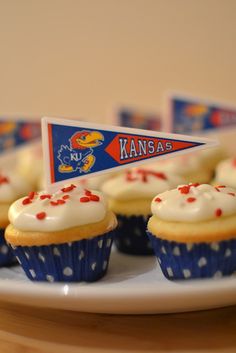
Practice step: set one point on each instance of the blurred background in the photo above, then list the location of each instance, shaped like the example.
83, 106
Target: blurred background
80, 57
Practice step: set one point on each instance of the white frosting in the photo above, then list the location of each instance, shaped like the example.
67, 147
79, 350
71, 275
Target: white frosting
181, 165
12, 187
226, 172
201, 203
139, 183
73, 212
215, 153
96, 181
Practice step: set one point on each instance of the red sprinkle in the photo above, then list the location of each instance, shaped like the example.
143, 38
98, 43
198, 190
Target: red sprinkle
157, 199
186, 188
4, 180
61, 202
94, 198
84, 199
129, 176
66, 197
45, 196
87, 192
58, 202
160, 175
231, 193
144, 177
218, 212
32, 194
68, 188
26, 201
221, 186
145, 173
41, 215
191, 199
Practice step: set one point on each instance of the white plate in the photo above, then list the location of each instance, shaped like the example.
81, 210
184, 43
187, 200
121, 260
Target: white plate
133, 285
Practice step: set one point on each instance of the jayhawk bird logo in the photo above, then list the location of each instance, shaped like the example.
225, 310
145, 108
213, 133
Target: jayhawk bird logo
79, 154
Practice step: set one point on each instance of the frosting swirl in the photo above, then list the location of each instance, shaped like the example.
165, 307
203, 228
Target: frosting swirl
139, 184
69, 207
226, 172
194, 202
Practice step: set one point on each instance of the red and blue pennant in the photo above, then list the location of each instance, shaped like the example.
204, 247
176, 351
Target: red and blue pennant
74, 149
15, 132
191, 115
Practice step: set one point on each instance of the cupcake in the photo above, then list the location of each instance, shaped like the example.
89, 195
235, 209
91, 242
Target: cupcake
226, 173
189, 167
65, 236
193, 231
129, 196
11, 188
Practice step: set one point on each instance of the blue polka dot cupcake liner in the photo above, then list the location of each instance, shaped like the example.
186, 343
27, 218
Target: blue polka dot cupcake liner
6, 254
131, 237
85, 260
195, 260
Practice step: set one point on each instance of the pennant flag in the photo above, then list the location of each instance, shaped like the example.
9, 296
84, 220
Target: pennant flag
136, 118
191, 115
17, 131
74, 149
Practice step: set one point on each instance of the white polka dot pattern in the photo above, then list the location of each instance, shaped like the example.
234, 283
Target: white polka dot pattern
56, 251
202, 262
27, 255
163, 250
189, 246
108, 243
169, 271
93, 266
186, 273
228, 253
104, 266
100, 243
68, 271
187, 261
41, 257
32, 272
50, 278
215, 246
4, 249
81, 255
218, 274
176, 251
84, 260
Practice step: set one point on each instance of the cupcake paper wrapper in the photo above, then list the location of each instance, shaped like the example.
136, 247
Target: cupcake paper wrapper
193, 260
84, 260
131, 237
6, 255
